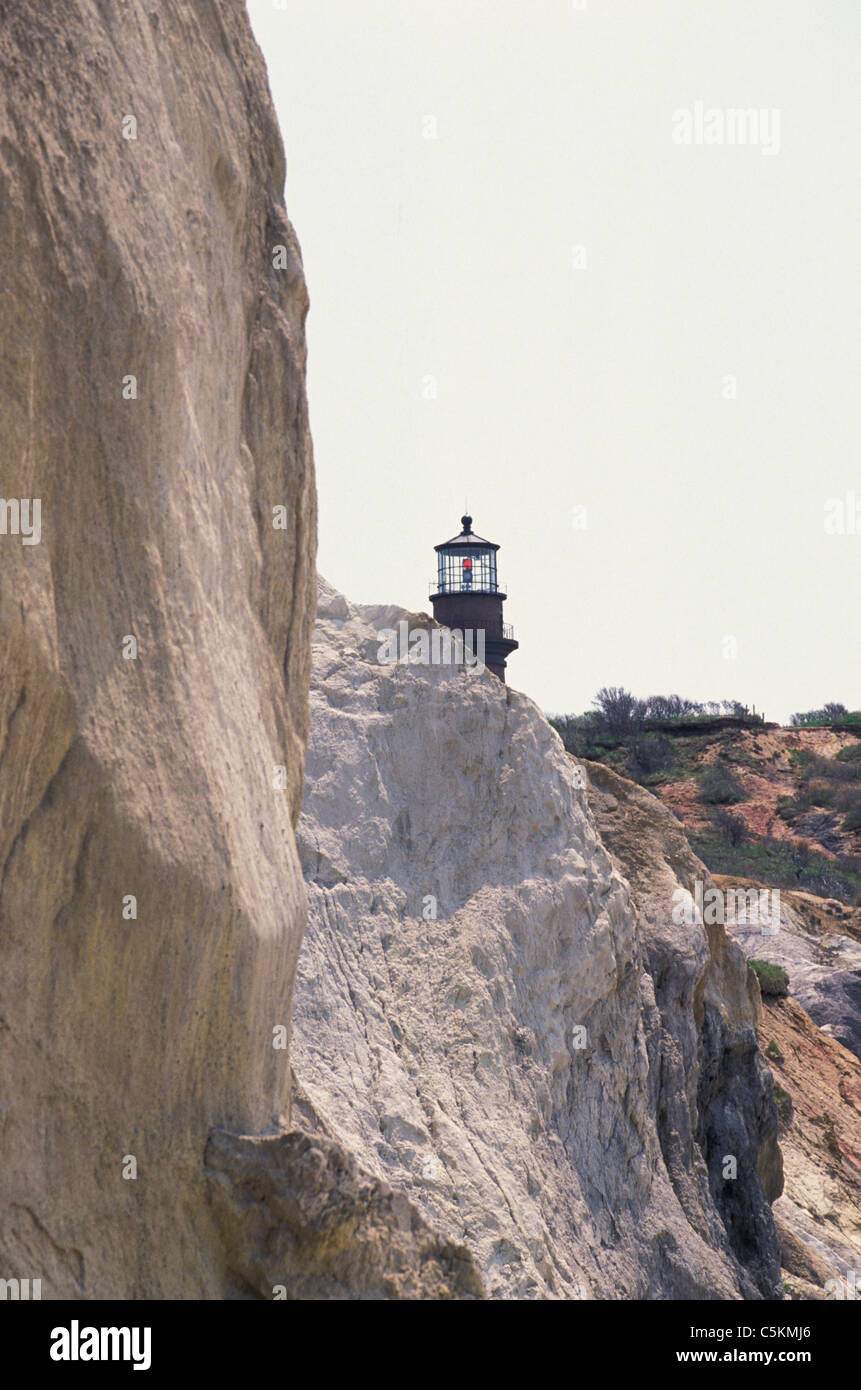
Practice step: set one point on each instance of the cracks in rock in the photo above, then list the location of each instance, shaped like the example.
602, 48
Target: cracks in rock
22, 696
45, 799
64, 911
70, 1258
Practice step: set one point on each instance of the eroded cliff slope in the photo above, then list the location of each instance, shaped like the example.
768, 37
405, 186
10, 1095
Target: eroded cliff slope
492, 1011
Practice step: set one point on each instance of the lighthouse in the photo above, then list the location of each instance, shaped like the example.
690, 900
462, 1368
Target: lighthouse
467, 594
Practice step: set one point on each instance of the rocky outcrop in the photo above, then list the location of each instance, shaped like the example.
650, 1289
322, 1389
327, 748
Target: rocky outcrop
818, 1086
492, 1013
718, 1089
818, 944
153, 403
297, 1219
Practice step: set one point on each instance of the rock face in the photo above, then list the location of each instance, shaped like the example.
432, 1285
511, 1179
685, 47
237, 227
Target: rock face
299, 1220
818, 1081
818, 944
819, 1214
126, 1037
491, 1012
721, 1093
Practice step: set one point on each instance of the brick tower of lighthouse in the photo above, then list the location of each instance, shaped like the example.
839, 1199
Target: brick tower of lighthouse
466, 594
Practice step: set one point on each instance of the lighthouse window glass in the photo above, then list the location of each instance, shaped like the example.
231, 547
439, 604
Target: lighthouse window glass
467, 570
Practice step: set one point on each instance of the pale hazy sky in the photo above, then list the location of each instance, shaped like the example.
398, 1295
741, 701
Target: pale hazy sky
448, 265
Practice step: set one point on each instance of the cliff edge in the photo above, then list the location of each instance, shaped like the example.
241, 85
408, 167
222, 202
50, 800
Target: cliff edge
494, 1011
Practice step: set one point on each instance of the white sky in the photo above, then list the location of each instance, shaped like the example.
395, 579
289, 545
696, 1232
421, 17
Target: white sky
601, 387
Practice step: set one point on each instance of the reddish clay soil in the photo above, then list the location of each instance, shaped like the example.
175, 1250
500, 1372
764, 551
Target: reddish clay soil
762, 765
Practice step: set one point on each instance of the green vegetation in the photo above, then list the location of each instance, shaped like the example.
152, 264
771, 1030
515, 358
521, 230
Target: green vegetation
831, 714
667, 739
731, 827
773, 979
650, 758
719, 785
782, 864
633, 736
831, 785
774, 1052
799, 758
783, 1101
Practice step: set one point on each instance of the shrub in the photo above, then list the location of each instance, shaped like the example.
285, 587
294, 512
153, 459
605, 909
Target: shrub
781, 864
783, 1101
731, 827
650, 754
741, 711
773, 979
831, 783
673, 707
620, 711
827, 715
849, 802
820, 794
578, 733
831, 770
719, 786
799, 757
